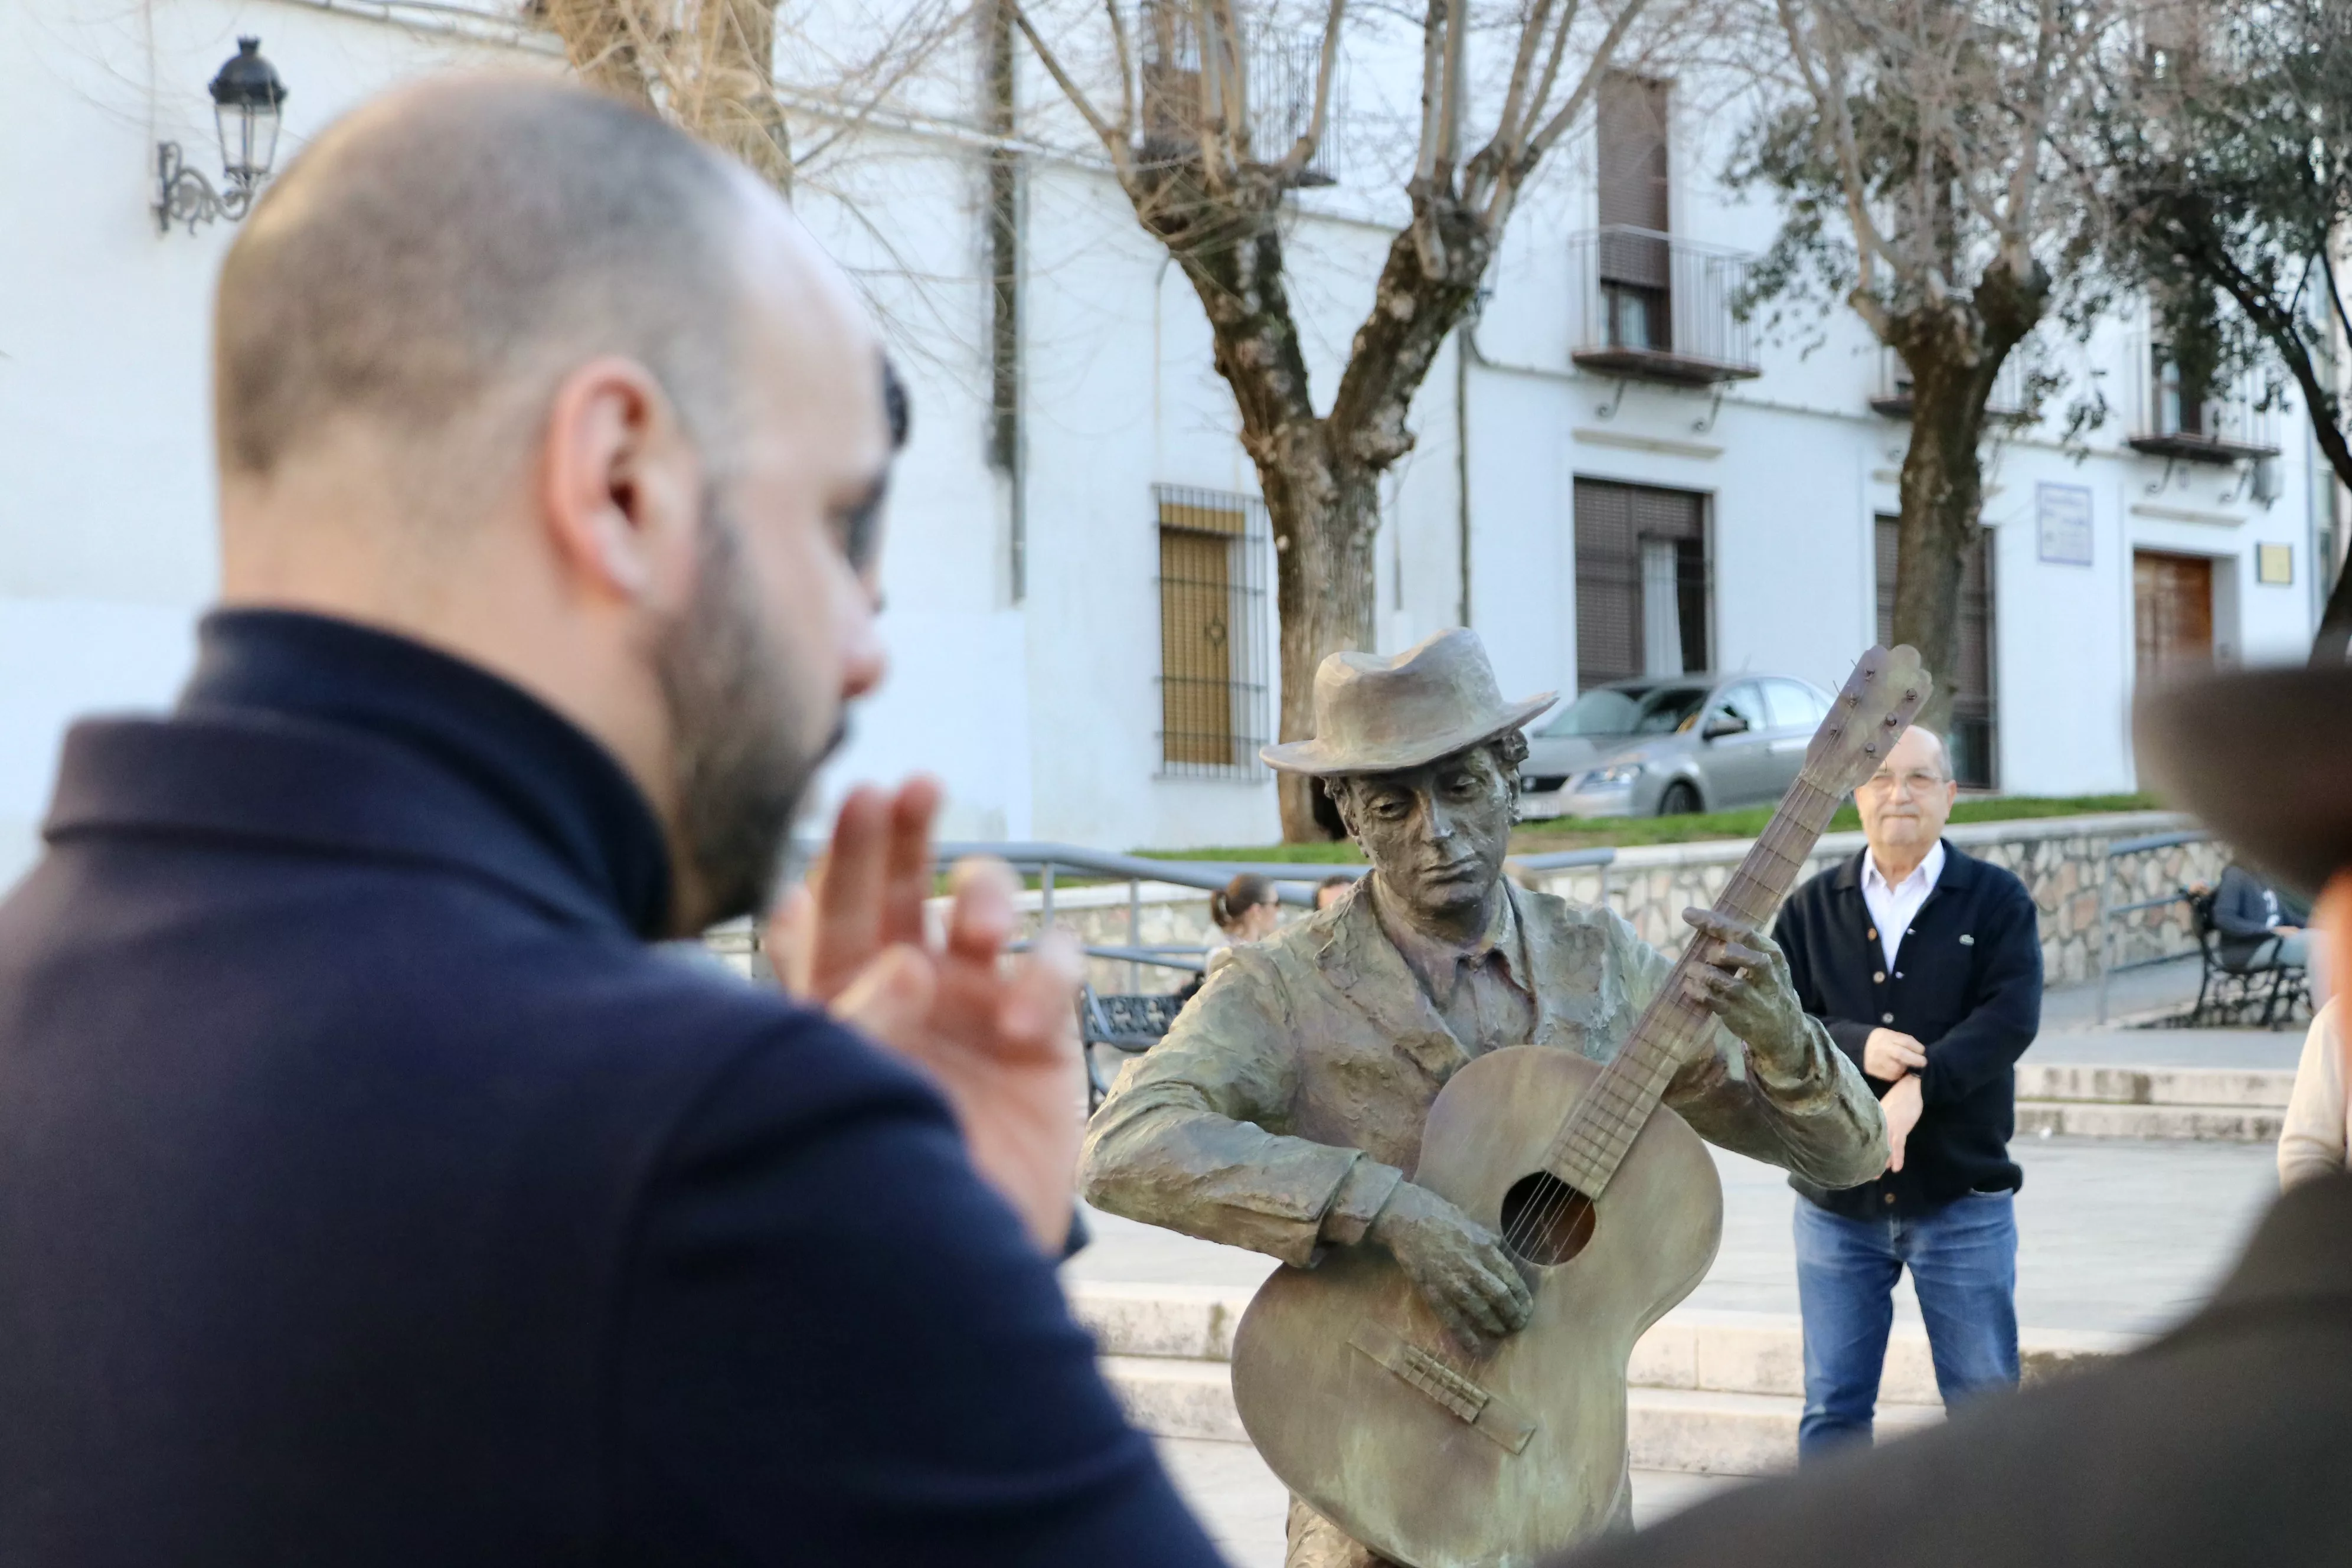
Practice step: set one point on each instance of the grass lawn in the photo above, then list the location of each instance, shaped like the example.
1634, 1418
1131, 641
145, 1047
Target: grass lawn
1583, 832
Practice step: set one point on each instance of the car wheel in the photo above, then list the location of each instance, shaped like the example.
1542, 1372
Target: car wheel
1680, 800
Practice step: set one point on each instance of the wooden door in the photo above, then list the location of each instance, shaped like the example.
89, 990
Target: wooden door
1196, 641
2172, 614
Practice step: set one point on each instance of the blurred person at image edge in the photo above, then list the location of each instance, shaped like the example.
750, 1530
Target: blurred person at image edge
373, 1192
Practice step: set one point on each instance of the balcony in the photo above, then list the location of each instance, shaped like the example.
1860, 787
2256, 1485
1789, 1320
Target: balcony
2006, 405
2184, 426
1649, 307
1279, 67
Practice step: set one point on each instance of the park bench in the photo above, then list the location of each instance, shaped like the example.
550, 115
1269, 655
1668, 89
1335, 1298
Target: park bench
2233, 992
1115, 1029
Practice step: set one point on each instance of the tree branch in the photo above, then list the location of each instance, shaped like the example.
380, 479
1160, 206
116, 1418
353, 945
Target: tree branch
1603, 54
1523, 62
1122, 157
1128, 126
1828, 100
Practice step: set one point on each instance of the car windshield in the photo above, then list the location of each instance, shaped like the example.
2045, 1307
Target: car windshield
1629, 710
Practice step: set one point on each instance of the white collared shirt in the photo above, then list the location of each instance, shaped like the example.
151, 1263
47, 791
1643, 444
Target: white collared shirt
1892, 908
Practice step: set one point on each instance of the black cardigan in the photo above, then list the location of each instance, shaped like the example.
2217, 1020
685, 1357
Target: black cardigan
1967, 984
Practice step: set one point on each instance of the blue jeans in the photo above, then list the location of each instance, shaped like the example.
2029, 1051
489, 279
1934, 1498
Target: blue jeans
1963, 1262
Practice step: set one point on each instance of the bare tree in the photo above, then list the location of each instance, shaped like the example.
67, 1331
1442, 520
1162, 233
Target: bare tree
1210, 182
1917, 153
708, 66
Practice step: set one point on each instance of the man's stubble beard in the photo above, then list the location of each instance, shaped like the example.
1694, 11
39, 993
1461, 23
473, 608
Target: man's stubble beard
745, 741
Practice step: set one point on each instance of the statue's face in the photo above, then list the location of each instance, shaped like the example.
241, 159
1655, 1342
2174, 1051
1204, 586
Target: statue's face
1436, 833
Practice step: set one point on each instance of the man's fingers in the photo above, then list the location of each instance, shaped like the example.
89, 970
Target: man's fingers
906, 859
1723, 928
848, 886
1738, 956
981, 918
788, 937
891, 997
1040, 1004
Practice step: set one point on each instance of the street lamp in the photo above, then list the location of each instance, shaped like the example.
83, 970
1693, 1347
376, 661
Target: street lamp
245, 96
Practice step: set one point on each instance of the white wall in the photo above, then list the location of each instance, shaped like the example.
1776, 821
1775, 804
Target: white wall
1041, 711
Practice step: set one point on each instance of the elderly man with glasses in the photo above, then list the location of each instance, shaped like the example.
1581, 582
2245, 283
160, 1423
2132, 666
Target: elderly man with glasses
1925, 965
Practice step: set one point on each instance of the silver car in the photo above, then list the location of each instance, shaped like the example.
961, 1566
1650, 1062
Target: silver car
1665, 745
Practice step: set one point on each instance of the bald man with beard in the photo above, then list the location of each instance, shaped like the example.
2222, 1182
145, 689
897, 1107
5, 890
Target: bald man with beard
372, 1189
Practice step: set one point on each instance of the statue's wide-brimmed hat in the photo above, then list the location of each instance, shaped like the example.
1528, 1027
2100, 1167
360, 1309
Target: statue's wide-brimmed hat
1375, 715
2265, 759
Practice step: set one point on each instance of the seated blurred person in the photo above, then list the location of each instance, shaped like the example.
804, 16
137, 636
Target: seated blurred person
1245, 909
2260, 928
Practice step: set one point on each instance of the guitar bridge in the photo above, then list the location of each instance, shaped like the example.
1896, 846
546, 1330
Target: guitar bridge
1477, 1408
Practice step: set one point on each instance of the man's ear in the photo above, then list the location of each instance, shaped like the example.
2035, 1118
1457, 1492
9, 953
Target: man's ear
620, 484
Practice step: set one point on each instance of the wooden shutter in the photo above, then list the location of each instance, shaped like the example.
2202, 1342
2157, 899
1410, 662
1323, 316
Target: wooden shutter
1197, 546
1630, 130
1612, 522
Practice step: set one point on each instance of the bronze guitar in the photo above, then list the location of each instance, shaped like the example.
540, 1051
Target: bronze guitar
1364, 1405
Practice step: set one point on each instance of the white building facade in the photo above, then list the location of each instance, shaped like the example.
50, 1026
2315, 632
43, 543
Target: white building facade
1079, 579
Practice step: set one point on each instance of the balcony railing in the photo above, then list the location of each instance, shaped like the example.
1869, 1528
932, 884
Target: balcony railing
1653, 307
2178, 425
1892, 399
1279, 67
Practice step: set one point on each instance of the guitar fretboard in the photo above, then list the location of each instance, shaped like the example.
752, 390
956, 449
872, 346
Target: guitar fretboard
1602, 1127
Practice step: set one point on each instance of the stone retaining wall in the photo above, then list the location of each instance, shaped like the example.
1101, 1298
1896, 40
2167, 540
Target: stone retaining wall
2061, 861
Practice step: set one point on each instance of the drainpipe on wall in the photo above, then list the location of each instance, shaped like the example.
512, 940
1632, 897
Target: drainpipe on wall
1462, 352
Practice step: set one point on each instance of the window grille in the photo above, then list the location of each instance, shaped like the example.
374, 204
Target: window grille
1212, 633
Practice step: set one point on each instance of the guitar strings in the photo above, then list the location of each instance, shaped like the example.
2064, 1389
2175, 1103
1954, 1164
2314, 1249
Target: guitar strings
1683, 1015
1686, 1017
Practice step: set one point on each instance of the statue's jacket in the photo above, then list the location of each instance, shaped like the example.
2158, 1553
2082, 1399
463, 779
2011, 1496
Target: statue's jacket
1288, 1096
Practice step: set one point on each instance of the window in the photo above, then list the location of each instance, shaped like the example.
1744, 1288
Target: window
1973, 730
1792, 704
1635, 267
2182, 401
1743, 702
1212, 643
1641, 583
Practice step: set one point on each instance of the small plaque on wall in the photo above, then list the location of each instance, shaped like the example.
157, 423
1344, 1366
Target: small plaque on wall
2274, 563
2062, 514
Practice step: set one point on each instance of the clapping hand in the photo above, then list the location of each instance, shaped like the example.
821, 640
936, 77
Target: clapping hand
1000, 1039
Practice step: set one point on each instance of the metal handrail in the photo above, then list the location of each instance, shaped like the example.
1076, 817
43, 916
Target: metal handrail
2108, 910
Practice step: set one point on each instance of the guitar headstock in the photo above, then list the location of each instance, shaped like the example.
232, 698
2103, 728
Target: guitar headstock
1879, 701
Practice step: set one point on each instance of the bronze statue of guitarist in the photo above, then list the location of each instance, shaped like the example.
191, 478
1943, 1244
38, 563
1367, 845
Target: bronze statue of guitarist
1285, 1108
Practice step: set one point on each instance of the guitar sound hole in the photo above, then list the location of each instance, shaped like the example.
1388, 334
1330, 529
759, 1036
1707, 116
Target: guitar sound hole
1545, 1220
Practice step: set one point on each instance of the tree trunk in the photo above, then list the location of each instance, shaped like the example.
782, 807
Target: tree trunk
1943, 495
1319, 475
1954, 351
1323, 589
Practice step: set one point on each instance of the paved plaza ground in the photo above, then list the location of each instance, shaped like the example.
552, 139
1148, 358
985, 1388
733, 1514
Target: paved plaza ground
2115, 1235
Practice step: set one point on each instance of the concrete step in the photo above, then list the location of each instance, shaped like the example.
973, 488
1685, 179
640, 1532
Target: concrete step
2195, 1123
2204, 1088
2213, 1105
1708, 1433
1711, 1393
1691, 1431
